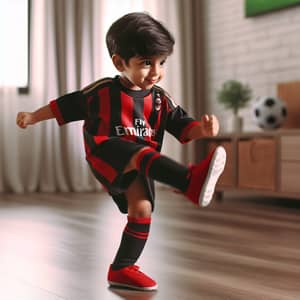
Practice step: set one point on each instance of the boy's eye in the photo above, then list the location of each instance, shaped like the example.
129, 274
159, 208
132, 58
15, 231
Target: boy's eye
149, 62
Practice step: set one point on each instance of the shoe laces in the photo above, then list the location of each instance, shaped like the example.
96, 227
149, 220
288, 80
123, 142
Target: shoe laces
134, 268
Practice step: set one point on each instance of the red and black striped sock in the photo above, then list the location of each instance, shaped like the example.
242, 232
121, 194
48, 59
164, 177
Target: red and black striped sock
161, 168
134, 238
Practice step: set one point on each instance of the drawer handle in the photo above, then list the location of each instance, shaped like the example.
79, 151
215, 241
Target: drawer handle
253, 157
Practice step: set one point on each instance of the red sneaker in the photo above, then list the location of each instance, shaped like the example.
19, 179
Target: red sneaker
204, 177
131, 277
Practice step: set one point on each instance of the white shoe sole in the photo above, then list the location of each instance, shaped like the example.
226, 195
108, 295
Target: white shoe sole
121, 285
216, 168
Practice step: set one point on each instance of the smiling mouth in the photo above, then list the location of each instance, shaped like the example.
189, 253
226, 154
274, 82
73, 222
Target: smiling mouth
152, 81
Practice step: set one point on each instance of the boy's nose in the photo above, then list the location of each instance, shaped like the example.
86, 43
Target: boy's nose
155, 69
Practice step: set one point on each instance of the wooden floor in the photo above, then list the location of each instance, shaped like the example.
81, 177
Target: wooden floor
58, 247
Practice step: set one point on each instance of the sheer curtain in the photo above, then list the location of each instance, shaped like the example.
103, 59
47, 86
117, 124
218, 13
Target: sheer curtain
68, 52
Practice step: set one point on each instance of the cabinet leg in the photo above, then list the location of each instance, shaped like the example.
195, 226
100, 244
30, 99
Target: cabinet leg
219, 196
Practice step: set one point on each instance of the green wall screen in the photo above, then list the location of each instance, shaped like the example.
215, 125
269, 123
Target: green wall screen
257, 7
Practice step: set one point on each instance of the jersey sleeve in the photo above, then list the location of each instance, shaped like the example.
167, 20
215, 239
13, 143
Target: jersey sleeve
70, 107
179, 122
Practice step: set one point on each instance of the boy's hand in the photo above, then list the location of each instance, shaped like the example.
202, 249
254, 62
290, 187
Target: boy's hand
210, 125
24, 119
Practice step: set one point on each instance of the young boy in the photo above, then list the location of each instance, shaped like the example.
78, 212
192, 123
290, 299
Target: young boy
125, 120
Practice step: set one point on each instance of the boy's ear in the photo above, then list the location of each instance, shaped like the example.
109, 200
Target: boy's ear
118, 62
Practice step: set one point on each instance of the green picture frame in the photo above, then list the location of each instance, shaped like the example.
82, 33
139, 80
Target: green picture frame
258, 7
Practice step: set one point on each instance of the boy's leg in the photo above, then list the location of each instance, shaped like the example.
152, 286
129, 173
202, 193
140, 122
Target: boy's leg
136, 231
123, 271
197, 182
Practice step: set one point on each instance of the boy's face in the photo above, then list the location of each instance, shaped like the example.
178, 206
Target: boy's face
141, 73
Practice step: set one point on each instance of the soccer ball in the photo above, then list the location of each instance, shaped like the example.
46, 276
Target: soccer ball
269, 112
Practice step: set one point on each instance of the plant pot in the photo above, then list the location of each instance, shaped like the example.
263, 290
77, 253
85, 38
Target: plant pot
238, 123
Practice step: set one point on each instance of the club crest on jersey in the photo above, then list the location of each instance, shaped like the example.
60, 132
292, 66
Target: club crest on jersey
139, 129
157, 105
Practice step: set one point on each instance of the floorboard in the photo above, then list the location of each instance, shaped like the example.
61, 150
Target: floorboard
59, 246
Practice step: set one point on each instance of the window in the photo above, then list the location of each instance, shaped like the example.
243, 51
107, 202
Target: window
14, 39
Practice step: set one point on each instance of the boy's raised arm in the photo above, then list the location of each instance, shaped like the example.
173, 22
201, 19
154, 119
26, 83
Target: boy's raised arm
29, 118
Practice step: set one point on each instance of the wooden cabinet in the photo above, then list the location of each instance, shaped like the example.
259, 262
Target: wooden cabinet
266, 162
256, 163
290, 164
290, 179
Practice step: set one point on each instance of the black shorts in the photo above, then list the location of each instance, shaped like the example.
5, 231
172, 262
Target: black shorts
116, 153
126, 179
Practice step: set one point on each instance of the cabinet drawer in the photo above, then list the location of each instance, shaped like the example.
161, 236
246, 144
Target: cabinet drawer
290, 148
227, 179
257, 164
289, 178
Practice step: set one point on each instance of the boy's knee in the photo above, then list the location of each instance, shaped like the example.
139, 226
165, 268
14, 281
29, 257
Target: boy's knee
140, 209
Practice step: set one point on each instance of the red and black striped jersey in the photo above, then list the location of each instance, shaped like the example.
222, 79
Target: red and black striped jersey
111, 110
118, 122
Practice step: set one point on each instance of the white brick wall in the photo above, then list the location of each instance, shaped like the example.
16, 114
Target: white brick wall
261, 51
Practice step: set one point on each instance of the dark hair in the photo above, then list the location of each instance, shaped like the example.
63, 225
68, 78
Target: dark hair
138, 34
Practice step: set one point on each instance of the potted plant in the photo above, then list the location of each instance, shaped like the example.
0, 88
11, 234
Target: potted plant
234, 95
